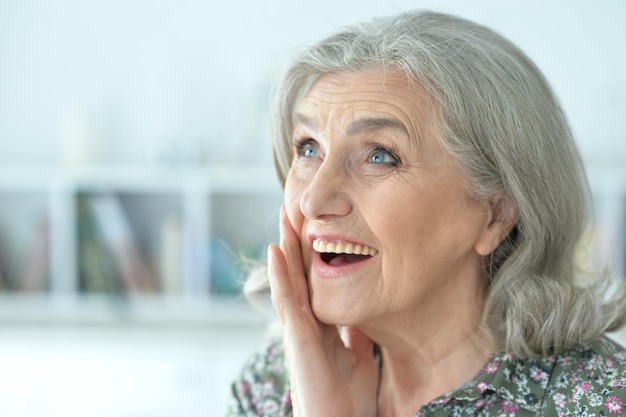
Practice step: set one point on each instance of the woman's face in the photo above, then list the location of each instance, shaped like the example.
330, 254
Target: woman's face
387, 228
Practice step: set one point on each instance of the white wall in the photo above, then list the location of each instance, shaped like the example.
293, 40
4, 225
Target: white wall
130, 79
122, 371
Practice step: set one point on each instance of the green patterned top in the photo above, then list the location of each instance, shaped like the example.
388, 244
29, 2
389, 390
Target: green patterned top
589, 380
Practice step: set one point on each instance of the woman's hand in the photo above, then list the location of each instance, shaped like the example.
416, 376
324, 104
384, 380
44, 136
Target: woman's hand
328, 376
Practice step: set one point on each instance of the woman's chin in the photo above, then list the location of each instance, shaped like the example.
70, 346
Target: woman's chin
326, 314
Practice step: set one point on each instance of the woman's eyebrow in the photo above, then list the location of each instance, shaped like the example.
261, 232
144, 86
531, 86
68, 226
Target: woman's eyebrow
305, 120
375, 123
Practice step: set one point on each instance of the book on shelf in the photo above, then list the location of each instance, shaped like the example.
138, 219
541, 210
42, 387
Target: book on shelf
4, 266
97, 274
223, 270
33, 268
121, 247
231, 263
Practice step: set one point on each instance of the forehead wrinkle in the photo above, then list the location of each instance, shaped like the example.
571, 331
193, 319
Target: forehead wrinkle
312, 114
358, 125
376, 123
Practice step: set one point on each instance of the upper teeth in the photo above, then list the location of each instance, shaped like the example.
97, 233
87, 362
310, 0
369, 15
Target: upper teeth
323, 246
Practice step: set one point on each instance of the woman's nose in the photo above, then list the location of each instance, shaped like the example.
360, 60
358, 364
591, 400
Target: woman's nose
326, 196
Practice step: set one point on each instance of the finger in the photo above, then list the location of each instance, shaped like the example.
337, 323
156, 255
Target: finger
280, 285
361, 365
290, 245
291, 302
358, 342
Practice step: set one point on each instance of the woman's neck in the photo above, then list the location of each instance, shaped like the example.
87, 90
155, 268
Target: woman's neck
424, 359
407, 383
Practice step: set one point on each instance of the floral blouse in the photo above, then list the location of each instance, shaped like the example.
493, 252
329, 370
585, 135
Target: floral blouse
589, 380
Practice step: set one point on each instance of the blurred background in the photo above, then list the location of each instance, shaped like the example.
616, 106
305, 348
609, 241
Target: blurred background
136, 181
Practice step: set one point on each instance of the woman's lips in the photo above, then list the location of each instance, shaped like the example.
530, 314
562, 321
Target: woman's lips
338, 257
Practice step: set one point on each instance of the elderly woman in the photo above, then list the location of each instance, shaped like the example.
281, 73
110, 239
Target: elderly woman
434, 201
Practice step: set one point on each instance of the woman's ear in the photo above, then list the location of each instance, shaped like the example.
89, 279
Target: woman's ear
502, 218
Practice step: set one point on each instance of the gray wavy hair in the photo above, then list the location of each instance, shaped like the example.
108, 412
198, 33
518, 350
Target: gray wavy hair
501, 122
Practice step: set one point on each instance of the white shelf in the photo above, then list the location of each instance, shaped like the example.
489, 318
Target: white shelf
208, 202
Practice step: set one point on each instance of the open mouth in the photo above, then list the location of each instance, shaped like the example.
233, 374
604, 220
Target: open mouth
341, 254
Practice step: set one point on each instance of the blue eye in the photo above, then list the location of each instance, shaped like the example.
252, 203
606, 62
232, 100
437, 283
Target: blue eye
307, 149
383, 156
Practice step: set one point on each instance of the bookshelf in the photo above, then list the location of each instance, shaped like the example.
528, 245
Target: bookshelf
608, 236
123, 243
192, 229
